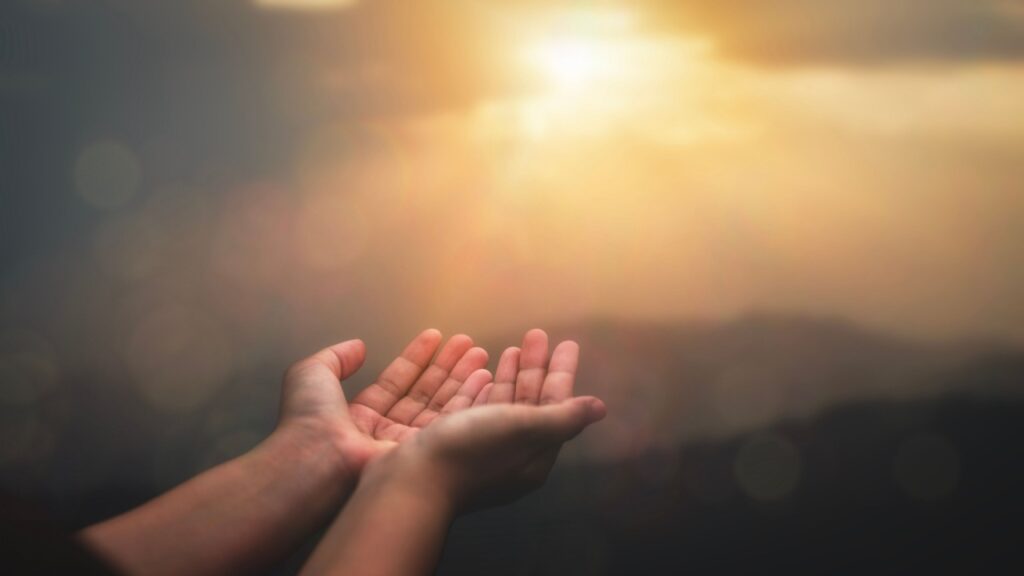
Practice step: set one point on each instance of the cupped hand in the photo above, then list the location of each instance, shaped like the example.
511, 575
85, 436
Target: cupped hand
507, 443
410, 393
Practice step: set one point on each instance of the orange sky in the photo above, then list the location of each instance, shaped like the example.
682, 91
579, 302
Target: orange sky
604, 160
300, 171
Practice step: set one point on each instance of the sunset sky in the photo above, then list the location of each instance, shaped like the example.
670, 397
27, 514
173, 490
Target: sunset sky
198, 179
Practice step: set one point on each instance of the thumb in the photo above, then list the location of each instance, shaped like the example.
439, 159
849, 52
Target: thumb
349, 356
567, 419
342, 359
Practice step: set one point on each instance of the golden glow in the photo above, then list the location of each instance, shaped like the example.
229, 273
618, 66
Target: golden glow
571, 62
578, 50
596, 72
608, 169
485, 167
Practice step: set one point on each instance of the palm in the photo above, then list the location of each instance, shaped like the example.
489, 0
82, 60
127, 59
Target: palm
410, 393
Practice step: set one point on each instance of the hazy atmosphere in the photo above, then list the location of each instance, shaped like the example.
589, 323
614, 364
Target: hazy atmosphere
744, 210
344, 166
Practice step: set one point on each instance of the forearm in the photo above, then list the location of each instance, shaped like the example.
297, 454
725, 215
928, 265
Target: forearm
394, 524
235, 518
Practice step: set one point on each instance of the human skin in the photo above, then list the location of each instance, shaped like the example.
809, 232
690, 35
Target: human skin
245, 514
397, 520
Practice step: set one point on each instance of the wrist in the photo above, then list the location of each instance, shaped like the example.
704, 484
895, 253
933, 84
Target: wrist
408, 474
312, 451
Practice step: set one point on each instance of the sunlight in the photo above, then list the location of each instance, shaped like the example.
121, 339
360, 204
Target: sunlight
570, 63
575, 51
582, 66
595, 71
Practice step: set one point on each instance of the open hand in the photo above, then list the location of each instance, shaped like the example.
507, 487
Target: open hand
411, 392
507, 443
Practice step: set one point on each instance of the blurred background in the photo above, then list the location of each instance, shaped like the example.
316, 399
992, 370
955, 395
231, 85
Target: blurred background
787, 234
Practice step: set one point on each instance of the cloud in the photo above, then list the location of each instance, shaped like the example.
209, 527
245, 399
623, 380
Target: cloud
851, 32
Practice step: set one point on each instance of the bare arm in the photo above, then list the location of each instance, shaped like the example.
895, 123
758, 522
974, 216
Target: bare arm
247, 513
395, 524
234, 518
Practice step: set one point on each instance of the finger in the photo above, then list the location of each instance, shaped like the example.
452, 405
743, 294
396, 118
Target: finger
399, 376
473, 360
468, 392
532, 367
504, 388
409, 407
563, 421
484, 394
558, 383
340, 360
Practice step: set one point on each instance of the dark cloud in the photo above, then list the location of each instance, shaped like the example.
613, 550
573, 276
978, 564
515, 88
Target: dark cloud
209, 91
851, 32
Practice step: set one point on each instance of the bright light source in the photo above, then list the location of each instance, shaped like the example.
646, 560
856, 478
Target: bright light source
578, 49
571, 62
588, 71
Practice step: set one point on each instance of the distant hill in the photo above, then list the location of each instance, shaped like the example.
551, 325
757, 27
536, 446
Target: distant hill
666, 383
886, 487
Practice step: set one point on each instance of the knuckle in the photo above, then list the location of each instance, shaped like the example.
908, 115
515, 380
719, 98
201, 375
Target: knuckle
389, 386
419, 396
